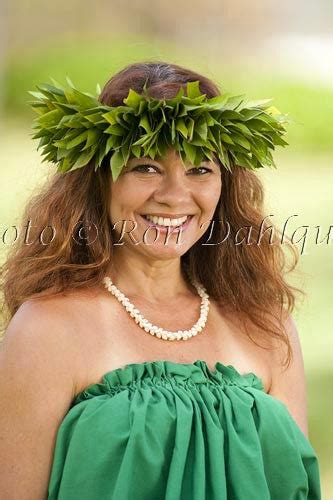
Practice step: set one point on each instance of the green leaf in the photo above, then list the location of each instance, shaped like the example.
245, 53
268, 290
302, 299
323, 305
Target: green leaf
136, 151
226, 138
190, 127
64, 165
116, 164
262, 103
259, 125
217, 102
242, 141
234, 101
83, 159
115, 130
50, 118
173, 131
208, 154
109, 144
133, 99
197, 141
51, 89
81, 98
69, 81
93, 138
78, 140
62, 153
190, 151
38, 95
143, 139
94, 118
110, 117
231, 115
101, 153
242, 128
248, 114
193, 89
201, 128
181, 127
66, 108
144, 123
177, 99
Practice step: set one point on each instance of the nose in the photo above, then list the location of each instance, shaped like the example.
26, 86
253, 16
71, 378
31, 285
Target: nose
173, 189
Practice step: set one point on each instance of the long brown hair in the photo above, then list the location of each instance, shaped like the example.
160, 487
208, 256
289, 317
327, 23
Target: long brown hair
248, 279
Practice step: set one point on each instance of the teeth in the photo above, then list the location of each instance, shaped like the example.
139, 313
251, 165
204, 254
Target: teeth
161, 221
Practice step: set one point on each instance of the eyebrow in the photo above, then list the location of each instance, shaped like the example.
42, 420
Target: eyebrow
147, 158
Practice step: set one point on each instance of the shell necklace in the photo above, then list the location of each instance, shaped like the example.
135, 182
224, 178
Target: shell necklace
155, 330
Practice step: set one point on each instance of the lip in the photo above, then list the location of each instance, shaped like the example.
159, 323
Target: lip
168, 216
172, 229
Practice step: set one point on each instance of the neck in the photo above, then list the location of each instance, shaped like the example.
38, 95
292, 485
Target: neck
156, 281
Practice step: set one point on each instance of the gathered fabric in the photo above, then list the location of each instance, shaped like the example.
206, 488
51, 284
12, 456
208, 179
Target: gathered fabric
161, 430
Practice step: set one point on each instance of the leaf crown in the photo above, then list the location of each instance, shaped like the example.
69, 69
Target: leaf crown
74, 128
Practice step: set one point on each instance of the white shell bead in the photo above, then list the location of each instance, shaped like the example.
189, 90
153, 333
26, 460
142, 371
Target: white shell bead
158, 331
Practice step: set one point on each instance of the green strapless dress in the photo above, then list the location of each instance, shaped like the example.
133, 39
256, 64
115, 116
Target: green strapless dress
166, 430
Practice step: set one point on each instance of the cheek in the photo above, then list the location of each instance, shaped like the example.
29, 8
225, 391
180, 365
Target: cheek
126, 197
209, 196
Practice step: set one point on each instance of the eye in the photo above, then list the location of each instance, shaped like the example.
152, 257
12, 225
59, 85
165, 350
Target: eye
195, 169
144, 167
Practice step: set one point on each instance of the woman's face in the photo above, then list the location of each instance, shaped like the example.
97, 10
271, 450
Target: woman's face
163, 188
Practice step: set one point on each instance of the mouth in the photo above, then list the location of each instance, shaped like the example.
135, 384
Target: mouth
165, 228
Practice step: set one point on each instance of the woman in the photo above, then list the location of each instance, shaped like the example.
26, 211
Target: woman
99, 403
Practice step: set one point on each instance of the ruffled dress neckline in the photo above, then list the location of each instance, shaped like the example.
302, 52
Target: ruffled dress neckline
197, 372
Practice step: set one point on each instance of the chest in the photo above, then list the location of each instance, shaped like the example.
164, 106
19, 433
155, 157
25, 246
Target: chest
111, 339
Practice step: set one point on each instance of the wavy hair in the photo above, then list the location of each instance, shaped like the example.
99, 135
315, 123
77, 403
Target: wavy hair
248, 279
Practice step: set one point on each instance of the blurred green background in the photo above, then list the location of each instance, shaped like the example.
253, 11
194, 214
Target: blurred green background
282, 50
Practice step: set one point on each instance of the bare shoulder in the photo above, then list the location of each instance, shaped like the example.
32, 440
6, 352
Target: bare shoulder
39, 336
37, 363
288, 381
43, 333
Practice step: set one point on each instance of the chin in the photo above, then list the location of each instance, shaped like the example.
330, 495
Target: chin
159, 249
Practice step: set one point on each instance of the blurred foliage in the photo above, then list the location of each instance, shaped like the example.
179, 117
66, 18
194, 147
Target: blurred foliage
90, 62
86, 62
319, 386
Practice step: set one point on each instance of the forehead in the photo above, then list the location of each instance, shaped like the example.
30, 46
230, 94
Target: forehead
171, 156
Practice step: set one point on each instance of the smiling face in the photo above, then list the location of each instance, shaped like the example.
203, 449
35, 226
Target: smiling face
163, 188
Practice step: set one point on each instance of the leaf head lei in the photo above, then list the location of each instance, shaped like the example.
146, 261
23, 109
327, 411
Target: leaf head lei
73, 128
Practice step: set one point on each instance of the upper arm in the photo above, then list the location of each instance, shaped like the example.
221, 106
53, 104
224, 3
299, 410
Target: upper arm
36, 390
289, 384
